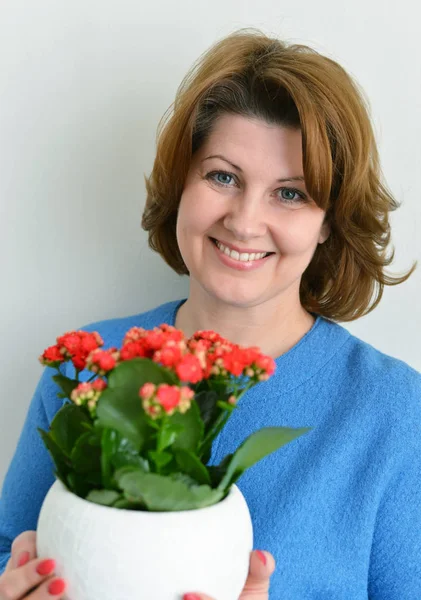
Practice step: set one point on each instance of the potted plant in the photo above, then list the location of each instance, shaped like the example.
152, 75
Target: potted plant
136, 512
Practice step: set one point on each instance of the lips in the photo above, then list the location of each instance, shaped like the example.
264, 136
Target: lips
239, 262
230, 248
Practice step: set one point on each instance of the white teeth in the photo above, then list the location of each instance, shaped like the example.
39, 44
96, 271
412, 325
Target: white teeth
243, 257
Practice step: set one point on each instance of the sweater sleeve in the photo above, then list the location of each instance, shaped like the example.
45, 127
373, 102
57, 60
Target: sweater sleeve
31, 471
395, 565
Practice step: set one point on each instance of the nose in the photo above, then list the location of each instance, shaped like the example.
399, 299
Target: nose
245, 218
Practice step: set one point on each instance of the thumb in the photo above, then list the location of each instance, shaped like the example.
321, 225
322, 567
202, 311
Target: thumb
24, 548
262, 565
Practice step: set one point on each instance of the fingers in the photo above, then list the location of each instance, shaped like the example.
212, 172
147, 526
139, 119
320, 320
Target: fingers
262, 565
25, 542
38, 574
52, 587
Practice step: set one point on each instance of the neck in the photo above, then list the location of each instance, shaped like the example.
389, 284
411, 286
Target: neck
274, 328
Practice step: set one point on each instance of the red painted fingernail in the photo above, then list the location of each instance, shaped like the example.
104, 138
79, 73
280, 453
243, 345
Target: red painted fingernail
261, 556
191, 597
46, 567
57, 587
23, 559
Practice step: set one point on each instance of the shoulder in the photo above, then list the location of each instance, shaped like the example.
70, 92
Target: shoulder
394, 385
384, 369
113, 330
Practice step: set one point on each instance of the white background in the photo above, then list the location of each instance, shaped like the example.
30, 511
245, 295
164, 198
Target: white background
83, 85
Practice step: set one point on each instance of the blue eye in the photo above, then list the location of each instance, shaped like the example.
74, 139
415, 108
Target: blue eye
294, 192
216, 173
291, 199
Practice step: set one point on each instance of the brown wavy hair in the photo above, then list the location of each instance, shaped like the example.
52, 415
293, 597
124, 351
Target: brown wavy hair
256, 76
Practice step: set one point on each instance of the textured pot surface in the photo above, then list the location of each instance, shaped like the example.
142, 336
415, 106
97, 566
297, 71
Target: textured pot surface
115, 554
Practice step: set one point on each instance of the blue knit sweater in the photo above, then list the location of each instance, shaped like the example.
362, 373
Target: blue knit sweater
339, 508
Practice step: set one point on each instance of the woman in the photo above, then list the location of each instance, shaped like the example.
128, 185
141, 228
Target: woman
266, 191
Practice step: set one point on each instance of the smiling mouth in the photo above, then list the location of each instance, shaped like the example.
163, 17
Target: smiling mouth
240, 256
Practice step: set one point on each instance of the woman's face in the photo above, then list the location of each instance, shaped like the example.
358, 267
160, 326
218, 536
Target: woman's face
230, 216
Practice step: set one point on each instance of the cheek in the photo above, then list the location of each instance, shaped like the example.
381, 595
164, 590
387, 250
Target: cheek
196, 214
298, 234
190, 224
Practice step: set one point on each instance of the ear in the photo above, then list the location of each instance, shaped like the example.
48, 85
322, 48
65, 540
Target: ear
324, 232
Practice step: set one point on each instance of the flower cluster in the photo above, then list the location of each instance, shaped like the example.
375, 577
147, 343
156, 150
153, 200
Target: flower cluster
102, 361
219, 357
87, 394
206, 355
73, 345
165, 345
165, 399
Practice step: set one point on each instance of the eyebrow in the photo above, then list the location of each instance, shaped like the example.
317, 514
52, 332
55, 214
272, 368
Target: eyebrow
296, 178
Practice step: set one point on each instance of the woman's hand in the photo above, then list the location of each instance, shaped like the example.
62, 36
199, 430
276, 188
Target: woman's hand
27, 577
262, 565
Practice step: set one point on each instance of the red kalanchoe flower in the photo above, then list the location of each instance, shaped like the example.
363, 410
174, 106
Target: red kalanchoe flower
189, 369
209, 335
77, 345
265, 363
134, 335
147, 391
171, 353
155, 339
135, 349
172, 333
88, 394
168, 396
74, 342
99, 385
165, 399
102, 361
51, 357
234, 362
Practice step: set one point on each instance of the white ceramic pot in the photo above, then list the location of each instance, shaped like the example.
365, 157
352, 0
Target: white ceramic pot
115, 554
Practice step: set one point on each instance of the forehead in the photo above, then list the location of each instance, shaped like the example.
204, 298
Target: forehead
249, 142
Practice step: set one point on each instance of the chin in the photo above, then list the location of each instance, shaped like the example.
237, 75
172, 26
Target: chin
236, 297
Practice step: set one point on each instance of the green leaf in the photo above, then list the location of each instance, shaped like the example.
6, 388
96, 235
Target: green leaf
86, 454
122, 502
226, 406
61, 461
69, 423
126, 455
160, 459
206, 447
117, 452
122, 411
119, 406
105, 497
82, 483
66, 385
160, 493
109, 446
192, 434
167, 434
206, 401
257, 446
177, 476
130, 375
123, 470
217, 472
190, 464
